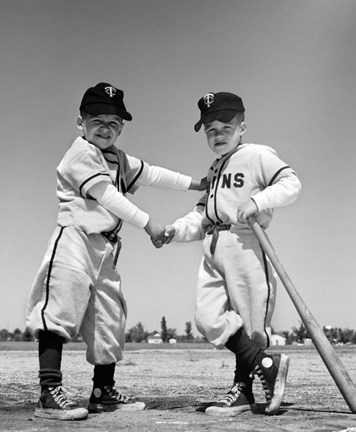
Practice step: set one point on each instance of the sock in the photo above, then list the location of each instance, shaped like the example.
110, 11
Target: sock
245, 349
242, 374
50, 347
104, 375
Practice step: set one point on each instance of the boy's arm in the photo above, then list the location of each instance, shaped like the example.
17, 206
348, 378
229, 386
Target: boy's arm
164, 178
279, 184
190, 227
186, 229
285, 190
112, 200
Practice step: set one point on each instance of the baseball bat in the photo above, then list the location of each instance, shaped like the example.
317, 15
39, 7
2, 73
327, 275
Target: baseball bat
328, 355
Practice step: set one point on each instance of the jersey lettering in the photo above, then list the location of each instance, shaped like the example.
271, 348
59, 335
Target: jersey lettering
226, 181
238, 181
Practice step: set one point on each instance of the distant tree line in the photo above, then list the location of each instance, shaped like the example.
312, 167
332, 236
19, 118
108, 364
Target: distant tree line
134, 334
17, 335
138, 333
335, 335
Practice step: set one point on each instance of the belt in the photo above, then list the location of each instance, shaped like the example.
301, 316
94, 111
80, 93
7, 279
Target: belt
214, 230
115, 240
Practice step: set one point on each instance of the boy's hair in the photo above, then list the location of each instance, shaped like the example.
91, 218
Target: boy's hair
220, 106
104, 99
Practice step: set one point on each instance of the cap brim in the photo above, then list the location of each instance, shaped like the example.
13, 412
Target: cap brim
100, 108
221, 115
197, 126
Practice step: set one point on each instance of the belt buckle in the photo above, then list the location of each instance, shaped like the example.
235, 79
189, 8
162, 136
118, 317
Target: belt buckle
111, 236
215, 227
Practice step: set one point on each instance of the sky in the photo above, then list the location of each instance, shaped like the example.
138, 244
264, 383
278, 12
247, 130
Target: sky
292, 62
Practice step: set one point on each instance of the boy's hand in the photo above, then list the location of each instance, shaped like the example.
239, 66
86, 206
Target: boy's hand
245, 210
154, 230
169, 233
165, 237
158, 243
199, 185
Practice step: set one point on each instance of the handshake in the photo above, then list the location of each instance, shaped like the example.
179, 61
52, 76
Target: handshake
159, 235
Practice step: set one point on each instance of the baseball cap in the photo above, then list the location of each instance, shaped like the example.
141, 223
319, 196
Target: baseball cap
221, 106
104, 99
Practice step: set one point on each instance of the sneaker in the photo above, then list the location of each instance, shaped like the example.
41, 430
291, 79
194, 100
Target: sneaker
53, 404
272, 370
237, 400
107, 398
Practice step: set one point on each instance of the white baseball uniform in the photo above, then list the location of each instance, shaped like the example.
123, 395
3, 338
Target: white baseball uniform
77, 288
236, 282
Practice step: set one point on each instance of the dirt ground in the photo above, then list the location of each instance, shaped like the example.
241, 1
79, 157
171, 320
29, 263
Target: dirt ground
176, 386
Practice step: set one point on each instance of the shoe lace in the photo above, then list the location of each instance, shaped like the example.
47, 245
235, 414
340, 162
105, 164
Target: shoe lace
112, 392
60, 396
233, 393
265, 385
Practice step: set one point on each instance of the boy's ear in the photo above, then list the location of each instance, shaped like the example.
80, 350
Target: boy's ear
120, 130
80, 123
243, 128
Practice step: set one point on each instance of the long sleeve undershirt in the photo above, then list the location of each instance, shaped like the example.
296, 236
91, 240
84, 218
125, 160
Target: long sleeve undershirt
112, 200
283, 192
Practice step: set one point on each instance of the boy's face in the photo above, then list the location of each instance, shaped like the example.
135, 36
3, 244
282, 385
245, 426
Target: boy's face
224, 137
101, 130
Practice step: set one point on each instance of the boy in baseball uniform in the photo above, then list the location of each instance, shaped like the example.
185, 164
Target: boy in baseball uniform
77, 288
236, 283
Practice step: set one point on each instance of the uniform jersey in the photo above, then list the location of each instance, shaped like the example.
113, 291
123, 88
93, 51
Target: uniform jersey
250, 171
85, 165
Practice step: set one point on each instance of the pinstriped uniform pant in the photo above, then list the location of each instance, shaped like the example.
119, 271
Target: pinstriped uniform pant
236, 287
77, 290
